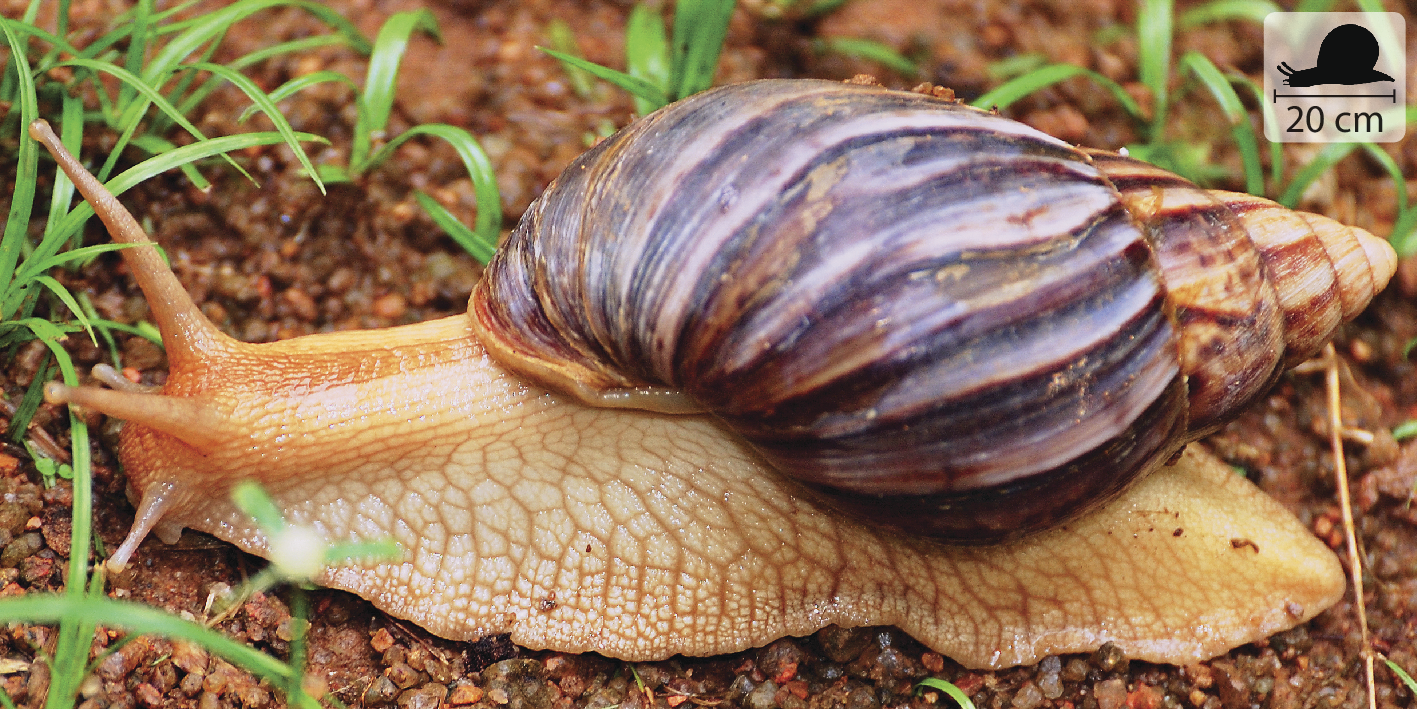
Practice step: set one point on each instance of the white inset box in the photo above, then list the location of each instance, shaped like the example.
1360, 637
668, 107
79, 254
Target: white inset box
1335, 77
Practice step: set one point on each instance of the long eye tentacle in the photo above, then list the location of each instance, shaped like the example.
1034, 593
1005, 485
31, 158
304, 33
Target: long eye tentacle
186, 333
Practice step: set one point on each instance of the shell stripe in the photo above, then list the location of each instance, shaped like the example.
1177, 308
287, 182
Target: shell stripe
1232, 326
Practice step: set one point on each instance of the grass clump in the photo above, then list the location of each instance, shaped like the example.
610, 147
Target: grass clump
1154, 31
661, 68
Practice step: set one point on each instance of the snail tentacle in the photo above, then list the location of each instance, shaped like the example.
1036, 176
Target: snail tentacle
193, 421
187, 334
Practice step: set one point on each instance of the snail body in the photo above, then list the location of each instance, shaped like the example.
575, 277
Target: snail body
538, 463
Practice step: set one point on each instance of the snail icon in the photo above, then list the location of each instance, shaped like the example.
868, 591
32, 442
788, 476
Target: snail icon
1346, 58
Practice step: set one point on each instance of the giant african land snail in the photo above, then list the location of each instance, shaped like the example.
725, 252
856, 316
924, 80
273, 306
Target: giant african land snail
921, 312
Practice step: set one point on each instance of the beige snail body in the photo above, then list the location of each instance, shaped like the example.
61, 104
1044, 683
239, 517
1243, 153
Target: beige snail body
510, 454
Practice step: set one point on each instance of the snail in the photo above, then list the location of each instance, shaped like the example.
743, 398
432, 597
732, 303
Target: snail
784, 354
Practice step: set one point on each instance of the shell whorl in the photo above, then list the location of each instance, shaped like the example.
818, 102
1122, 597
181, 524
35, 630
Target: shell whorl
928, 313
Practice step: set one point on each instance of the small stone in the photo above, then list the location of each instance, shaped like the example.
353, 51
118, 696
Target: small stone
843, 644
764, 696
1109, 657
780, 659
427, 696
148, 695
189, 657
381, 692
934, 662
209, 700
253, 696
438, 670
36, 570
403, 676
1029, 696
121, 663
57, 527
1075, 670
1110, 694
391, 306
1230, 685
24, 546
191, 684
1144, 696
465, 694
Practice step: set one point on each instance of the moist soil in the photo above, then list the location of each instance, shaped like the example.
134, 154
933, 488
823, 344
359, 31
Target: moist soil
278, 260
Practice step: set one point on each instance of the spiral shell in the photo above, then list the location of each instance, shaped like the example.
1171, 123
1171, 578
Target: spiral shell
931, 315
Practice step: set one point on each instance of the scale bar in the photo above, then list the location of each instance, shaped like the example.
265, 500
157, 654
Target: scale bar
1392, 96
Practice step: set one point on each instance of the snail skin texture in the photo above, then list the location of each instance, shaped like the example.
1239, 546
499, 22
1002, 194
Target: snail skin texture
512, 457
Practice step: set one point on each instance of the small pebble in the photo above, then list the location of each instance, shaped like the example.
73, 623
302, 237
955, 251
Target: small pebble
24, 546
403, 676
1109, 657
762, 697
148, 695
427, 696
1110, 694
465, 694
380, 692
1028, 696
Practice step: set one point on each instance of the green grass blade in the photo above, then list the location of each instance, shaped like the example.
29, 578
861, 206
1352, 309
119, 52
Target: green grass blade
263, 102
251, 499
150, 94
67, 299
873, 51
949, 689
294, 46
647, 53
147, 333
137, 618
156, 146
636, 86
1404, 233
176, 158
376, 102
29, 404
1393, 171
1276, 150
563, 38
71, 134
1402, 674
137, 51
1402, 227
1154, 34
479, 168
466, 238
700, 27
1017, 65
203, 28
26, 170
1002, 96
1222, 10
38, 263
298, 84
1240, 128
1323, 162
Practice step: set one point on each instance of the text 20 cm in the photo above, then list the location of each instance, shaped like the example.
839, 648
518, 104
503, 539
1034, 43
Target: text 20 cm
1312, 121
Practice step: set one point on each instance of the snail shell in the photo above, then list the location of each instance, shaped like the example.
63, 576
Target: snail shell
937, 318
